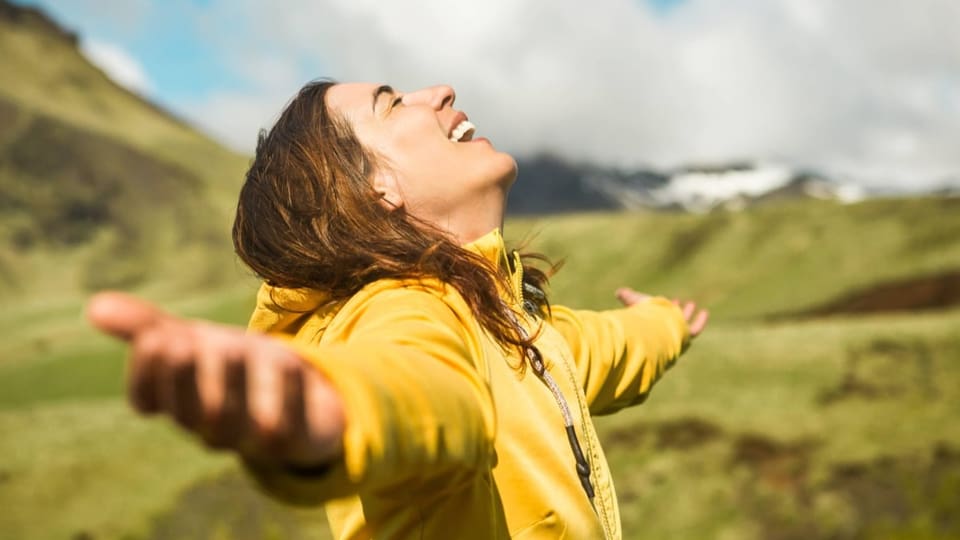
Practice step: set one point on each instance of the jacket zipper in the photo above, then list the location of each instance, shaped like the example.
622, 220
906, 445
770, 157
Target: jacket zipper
583, 467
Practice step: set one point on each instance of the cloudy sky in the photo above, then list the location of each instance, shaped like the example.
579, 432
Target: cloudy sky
862, 89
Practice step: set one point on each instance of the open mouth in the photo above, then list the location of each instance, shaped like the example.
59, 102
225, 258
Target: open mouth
463, 131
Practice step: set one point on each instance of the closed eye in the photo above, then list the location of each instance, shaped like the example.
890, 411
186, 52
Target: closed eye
397, 101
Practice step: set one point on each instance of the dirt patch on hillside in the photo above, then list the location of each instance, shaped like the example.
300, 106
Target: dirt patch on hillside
887, 497
896, 490
937, 291
680, 434
788, 493
686, 433
885, 369
776, 464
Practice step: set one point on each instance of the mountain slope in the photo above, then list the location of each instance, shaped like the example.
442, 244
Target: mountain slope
549, 184
45, 72
766, 261
99, 187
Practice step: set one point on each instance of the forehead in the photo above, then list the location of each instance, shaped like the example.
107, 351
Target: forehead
353, 101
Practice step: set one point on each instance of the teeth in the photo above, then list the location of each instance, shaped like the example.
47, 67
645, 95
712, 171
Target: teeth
461, 130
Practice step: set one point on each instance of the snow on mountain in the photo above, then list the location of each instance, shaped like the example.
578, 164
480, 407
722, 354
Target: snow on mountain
733, 187
549, 184
702, 191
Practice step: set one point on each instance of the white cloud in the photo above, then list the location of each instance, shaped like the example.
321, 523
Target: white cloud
118, 64
852, 87
236, 118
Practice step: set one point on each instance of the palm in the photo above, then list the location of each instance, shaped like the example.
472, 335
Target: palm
236, 390
696, 318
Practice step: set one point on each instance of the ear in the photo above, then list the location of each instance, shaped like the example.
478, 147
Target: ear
387, 186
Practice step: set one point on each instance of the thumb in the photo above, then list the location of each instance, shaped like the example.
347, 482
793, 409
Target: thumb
122, 315
628, 296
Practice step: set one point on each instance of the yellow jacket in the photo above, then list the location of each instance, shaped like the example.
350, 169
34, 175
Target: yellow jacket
445, 438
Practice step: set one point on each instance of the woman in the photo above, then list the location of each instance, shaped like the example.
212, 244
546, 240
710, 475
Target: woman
406, 368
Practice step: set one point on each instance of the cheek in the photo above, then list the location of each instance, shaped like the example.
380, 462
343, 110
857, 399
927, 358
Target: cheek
429, 187
413, 149
423, 159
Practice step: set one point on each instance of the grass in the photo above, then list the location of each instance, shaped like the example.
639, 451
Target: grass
85, 457
110, 474
751, 264
798, 431
675, 459
49, 354
763, 430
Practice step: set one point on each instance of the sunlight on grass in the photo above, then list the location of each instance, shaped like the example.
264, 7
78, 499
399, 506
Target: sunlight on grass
763, 428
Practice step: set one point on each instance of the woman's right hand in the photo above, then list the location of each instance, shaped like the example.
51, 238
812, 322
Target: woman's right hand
696, 318
239, 391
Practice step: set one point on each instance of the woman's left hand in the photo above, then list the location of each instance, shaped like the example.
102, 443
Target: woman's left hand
235, 390
696, 318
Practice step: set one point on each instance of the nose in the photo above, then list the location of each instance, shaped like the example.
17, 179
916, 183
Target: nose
438, 96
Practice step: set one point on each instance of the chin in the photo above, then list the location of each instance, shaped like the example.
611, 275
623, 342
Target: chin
507, 169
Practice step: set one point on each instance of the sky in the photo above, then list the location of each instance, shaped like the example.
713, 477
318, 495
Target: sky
861, 90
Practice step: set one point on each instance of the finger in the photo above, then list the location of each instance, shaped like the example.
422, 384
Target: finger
699, 323
265, 398
324, 415
228, 422
142, 375
628, 296
122, 315
178, 392
212, 356
688, 309
299, 446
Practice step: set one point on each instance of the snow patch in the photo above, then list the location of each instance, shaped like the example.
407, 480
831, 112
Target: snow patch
701, 191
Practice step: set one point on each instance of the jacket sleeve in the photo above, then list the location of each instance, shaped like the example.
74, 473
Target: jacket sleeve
620, 354
416, 398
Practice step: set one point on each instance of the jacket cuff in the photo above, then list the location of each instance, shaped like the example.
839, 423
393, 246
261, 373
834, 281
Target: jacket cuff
299, 486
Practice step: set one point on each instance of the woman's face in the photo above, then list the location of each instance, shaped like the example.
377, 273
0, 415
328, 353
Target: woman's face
429, 162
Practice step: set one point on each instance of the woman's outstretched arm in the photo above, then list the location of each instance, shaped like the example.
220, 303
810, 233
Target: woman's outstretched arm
397, 396
238, 391
621, 353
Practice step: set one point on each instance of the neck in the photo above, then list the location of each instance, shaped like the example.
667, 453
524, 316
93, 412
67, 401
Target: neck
484, 214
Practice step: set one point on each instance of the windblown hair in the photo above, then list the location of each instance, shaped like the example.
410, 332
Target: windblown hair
309, 217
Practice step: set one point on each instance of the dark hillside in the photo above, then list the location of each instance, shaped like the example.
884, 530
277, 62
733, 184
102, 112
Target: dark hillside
99, 187
54, 36
546, 184
31, 16
61, 184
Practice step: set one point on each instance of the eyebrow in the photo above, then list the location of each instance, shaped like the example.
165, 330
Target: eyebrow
382, 89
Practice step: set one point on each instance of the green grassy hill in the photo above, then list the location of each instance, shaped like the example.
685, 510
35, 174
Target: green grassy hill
828, 428
768, 261
98, 187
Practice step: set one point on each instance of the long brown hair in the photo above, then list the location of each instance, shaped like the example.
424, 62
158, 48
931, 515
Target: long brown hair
309, 217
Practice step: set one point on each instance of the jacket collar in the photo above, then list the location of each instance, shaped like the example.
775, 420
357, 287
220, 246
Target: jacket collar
492, 248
